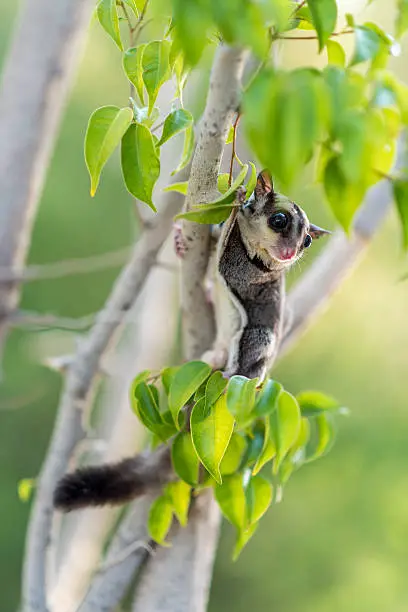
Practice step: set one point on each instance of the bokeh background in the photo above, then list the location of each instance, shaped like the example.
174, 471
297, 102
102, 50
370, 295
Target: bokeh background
339, 540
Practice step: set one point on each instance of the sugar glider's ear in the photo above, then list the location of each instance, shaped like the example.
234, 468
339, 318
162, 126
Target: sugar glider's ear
264, 184
315, 231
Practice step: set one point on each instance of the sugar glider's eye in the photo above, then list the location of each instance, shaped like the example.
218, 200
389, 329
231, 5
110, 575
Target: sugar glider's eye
278, 221
308, 241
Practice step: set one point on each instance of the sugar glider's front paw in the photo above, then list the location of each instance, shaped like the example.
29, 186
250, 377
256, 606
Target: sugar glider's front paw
216, 358
180, 244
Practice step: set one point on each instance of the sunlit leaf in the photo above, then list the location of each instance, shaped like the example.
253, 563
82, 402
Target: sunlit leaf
268, 450
322, 437
401, 21
267, 398
185, 383
160, 519
179, 187
175, 122
229, 195
285, 425
241, 397
401, 199
180, 494
188, 149
222, 182
335, 53
233, 455
132, 65
156, 68
258, 495
107, 12
314, 402
214, 387
211, 431
211, 214
140, 163
185, 459
231, 498
167, 375
105, 130
324, 17
190, 28
251, 184
344, 197
368, 44
243, 539
25, 488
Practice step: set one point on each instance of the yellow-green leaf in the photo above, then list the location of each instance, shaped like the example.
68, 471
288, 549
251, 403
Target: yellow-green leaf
285, 424
233, 455
140, 163
160, 519
324, 17
243, 538
258, 493
335, 53
241, 397
156, 68
208, 214
267, 398
105, 130
132, 65
175, 122
214, 387
185, 459
231, 499
185, 383
211, 431
188, 149
401, 199
107, 12
180, 495
179, 187
25, 488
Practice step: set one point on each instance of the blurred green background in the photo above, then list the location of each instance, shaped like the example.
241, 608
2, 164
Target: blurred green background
339, 540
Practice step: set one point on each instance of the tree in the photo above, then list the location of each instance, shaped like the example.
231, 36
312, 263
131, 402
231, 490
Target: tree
346, 118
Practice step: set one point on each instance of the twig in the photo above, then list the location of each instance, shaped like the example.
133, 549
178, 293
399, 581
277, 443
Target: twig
283, 37
79, 387
297, 8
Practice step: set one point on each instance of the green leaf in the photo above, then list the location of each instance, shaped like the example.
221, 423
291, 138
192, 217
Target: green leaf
25, 488
144, 403
180, 495
268, 450
400, 188
233, 455
335, 53
175, 122
243, 539
214, 387
368, 44
267, 398
285, 425
344, 197
107, 13
140, 163
106, 127
185, 383
179, 187
134, 6
190, 28
156, 68
241, 397
210, 214
167, 375
322, 437
160, 519
324, 17
229, 195
230, 135
222, 182
401, 21
231, 499
297, 454
314, 402
211, 431
251, 184
185, 459
132, 65
188, 149
141, 377
258, 493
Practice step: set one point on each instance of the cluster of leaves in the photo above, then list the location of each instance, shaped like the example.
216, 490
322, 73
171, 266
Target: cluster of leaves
222, 433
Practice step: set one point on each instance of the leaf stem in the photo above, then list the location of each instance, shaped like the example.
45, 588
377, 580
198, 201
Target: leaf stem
280, 37
234, 141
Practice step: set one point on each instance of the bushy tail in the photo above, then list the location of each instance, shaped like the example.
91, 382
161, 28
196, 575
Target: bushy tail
114, 483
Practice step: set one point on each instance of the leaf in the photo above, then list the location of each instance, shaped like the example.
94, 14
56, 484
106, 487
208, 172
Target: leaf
241, 397
401, 21
144, 403
107, 13
267, 398
243, 539
211, 214
231, 499
188, 149
185, 459
322, 437
233, 455
175, 122
141, 377
222, 182
156, 68
106, 127
400, 188
211, 431
132, 65
250, 186
190, 28
140, 163
368, 44
344, 197
324, 17
167, 375
179, 187
160, 519
185, 383
268, 450
297, 454
180, 495
214, 387
230, 135
314, 402
335, 53
285, 425
25, 488
258, 493
229, 195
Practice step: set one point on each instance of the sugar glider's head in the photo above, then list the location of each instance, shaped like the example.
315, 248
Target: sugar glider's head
274, 228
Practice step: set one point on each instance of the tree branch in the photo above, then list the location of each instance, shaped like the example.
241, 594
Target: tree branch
222, 102
38, 73
78, 389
